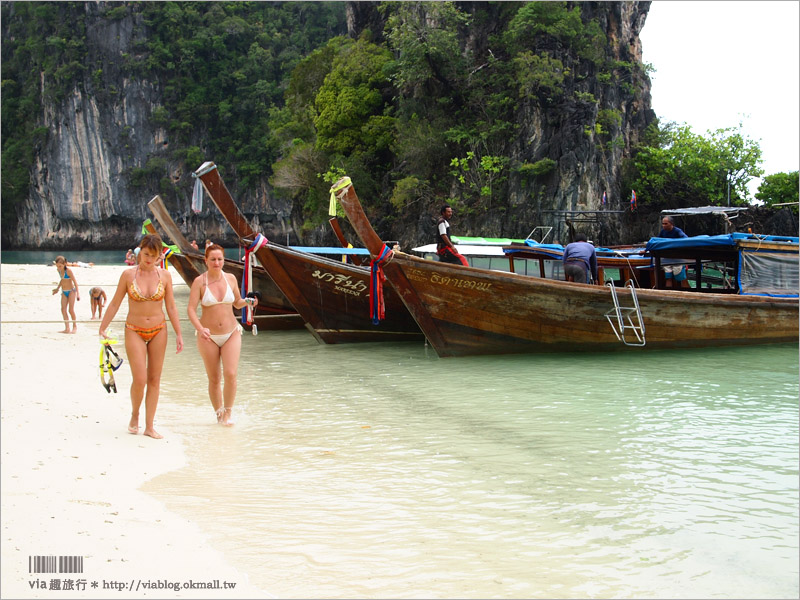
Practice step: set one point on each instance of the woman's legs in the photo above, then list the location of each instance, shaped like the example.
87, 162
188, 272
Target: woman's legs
156, 351
136, 349
211, 353
230, 352
71, 302
94, 302
64, 304
146, 361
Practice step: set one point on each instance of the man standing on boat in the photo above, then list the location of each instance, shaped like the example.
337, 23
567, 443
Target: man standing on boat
673, 272
579, 260
444, 246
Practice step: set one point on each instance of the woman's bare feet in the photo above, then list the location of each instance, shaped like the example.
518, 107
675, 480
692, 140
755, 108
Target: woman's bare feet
133, 426
65, 331
227, 416
150, 432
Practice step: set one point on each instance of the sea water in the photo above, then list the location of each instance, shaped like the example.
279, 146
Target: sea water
380, 470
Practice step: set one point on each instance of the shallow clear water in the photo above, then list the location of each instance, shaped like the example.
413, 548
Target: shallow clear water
379, 470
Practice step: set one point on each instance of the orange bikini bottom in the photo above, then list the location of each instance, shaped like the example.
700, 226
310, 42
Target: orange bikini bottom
146, 333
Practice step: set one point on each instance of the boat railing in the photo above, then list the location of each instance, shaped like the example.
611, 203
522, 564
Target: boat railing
621, 318
545, 231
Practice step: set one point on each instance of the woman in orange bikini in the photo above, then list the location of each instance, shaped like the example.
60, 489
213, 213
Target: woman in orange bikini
219, 336
148, 287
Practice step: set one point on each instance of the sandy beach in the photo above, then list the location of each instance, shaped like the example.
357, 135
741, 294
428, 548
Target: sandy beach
71, 473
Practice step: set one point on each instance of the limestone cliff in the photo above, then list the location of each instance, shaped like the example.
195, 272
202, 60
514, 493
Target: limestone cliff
105, 154
85, 192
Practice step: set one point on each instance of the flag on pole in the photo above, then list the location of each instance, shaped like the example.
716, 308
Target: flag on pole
633, 199
604, 197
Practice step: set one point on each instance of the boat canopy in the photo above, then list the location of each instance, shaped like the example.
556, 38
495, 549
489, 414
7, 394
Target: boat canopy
768, 265
705, 210
730, 240
332, 250
483, 241
558, 249
464, 249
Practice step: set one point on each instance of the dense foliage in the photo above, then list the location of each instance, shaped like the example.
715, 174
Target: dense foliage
43, 53
779, 188
681, 168
222, 67
427, 108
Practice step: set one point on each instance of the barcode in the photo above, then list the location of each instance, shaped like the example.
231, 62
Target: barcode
55, 564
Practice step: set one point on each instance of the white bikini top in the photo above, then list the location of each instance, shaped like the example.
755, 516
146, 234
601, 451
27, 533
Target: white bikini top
210, 300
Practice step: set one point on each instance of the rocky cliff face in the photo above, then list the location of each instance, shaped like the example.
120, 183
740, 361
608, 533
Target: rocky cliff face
84, 193
588, 133
90, 182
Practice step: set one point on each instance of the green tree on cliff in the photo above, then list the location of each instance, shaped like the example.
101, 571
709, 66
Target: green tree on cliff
681, 168
779, 188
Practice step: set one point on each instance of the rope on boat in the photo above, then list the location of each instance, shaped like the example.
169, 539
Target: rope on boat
377, 309
247, 278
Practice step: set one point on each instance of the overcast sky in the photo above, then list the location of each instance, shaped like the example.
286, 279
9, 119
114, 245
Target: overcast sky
719, 63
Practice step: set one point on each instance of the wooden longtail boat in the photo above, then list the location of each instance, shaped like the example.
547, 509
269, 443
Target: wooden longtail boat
468, 311
274, 311
331, 296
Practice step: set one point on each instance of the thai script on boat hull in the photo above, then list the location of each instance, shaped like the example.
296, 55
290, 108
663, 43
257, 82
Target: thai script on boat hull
341, 282
438, 279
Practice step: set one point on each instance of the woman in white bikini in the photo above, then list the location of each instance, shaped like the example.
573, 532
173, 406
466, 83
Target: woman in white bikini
218, 334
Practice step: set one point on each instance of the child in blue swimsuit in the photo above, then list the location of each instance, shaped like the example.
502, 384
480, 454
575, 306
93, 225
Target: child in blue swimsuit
68, 284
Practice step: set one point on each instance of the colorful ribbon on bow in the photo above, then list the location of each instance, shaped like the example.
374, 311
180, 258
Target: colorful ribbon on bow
247, 277
167, 251
377, 309
339, 185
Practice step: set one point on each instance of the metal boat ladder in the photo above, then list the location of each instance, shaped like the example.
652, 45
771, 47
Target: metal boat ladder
621, 318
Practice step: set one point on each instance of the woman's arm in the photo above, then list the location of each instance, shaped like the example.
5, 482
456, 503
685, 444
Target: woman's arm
172, 310
74, 282
194, 300
115, 303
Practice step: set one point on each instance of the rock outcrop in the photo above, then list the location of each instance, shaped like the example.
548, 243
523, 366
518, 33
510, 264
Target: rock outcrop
94, 173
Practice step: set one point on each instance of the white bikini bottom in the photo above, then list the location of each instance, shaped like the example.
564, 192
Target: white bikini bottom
220, 338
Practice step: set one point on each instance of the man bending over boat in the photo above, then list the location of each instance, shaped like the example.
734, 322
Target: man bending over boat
444, 246
673, 272
579, 260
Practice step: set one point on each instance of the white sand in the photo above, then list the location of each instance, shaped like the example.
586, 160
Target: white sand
70, 471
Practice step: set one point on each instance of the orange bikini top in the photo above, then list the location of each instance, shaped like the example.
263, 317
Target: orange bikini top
135, 294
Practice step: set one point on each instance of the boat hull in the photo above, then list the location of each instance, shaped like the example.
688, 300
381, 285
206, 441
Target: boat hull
333, 298
467, 311
472, 311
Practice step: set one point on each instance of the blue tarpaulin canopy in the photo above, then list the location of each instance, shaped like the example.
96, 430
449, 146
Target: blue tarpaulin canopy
714, 241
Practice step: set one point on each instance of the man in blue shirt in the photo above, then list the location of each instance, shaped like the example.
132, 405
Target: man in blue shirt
673, 272
579, 259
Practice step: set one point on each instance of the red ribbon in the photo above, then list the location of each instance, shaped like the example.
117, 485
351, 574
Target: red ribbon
377, 309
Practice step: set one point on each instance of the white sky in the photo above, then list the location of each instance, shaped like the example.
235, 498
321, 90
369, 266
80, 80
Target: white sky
719, 63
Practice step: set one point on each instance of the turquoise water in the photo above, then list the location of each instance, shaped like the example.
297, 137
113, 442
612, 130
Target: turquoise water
380, 470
